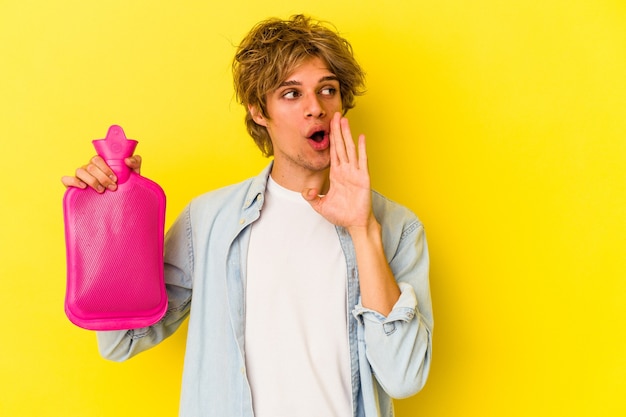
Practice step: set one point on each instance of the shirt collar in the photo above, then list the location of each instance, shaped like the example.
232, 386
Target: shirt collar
257, 188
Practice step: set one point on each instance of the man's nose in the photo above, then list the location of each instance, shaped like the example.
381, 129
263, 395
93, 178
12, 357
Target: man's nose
313, 107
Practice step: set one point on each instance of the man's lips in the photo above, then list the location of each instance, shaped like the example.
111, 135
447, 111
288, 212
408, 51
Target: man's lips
319, 138
317, 133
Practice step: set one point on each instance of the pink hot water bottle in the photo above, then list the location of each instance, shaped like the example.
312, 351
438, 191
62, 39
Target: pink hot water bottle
114, 245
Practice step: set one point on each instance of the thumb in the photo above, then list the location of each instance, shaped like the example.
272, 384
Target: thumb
310, 195
134, 163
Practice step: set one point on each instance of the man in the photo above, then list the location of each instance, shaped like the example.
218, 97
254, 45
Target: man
307, 293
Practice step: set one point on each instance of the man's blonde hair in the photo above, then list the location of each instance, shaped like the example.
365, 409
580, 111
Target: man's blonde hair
273, 49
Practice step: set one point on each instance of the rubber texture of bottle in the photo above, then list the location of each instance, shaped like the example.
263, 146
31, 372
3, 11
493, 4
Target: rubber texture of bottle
114, 246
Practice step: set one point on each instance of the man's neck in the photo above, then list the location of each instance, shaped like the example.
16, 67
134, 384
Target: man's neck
317, 180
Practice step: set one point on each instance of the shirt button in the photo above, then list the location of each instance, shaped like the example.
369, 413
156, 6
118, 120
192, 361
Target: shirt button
242, 221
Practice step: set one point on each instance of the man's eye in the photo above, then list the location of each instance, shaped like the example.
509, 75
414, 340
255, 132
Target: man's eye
290, 94
328, 91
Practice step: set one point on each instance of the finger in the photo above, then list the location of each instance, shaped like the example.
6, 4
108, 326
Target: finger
72, 182
338, 147
312, 196
98, 175
347, 140
134, 163
83, 174
333, 140
362, 153
103, 168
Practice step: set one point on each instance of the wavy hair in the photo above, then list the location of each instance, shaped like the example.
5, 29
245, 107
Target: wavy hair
273, 49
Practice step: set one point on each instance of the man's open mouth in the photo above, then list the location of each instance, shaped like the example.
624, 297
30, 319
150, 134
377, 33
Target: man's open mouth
318, 136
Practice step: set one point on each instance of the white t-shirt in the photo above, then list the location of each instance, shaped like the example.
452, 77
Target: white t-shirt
296, 336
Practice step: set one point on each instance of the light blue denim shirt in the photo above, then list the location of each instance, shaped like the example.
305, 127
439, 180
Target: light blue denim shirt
205, 253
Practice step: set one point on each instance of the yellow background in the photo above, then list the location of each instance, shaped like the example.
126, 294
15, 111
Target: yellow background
501, 123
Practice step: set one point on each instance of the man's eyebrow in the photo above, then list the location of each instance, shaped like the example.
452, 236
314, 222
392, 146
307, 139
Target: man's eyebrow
329, 78
289, 83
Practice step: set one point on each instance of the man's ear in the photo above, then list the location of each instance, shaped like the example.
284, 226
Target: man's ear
257, 116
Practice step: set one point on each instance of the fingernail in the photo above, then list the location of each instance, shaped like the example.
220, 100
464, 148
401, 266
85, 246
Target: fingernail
113, 177
112, 187
100, 189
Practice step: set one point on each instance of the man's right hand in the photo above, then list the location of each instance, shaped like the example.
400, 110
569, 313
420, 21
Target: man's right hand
98, 175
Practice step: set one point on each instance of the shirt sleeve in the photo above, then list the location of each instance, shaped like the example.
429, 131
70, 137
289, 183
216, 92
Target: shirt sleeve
178, 256
398, 347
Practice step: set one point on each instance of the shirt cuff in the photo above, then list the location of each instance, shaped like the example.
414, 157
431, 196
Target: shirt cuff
403, 310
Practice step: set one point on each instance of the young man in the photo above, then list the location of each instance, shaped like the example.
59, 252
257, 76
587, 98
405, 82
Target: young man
307, 293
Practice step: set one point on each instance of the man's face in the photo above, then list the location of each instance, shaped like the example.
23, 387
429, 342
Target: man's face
299, 113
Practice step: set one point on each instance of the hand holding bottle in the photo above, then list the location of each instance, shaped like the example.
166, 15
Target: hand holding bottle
98, 175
